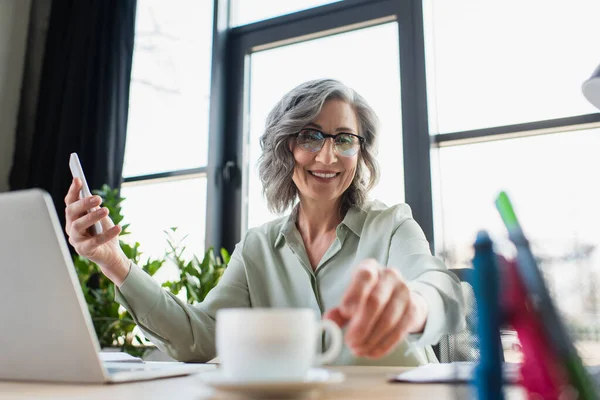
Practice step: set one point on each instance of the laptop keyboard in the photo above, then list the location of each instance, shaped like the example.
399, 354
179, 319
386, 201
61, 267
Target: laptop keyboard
136, 368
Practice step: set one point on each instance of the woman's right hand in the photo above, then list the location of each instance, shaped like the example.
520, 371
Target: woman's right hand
103, 249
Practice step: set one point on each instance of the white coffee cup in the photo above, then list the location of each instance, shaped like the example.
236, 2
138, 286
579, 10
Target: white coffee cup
262, 344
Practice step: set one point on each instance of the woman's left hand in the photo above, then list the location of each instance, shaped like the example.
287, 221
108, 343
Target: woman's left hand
379, 309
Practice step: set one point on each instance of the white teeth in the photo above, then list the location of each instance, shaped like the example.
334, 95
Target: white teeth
326, 176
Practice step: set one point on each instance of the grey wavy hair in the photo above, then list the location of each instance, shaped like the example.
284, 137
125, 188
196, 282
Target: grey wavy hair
293, 112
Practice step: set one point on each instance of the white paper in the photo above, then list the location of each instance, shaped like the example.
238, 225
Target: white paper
457, 372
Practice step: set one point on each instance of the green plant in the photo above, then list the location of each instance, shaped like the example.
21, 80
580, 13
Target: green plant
115, 328
197, 278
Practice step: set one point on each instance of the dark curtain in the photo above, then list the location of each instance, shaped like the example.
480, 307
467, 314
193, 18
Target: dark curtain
83, 97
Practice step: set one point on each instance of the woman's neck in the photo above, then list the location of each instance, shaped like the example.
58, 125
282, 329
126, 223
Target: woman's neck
316, 219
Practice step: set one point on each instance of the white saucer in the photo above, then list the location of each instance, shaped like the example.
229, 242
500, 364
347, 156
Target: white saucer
316, 378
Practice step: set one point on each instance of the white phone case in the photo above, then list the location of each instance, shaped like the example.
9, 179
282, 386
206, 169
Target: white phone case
77, 172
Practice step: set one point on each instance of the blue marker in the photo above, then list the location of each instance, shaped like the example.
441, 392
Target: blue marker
488, 375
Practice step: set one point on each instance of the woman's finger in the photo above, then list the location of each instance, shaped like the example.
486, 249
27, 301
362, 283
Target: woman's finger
388, 321
395, 336
336, 316
363, 281
107, 222
91, 244
78, 209
81, 225
73, 193
370, 311
383, 344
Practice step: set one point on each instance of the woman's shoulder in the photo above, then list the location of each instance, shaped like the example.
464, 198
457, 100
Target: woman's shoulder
376, 209
377, 218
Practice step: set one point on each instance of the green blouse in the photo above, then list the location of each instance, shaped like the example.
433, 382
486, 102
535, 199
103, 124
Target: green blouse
270, 268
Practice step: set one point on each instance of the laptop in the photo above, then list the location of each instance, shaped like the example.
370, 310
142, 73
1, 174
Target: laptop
46, 331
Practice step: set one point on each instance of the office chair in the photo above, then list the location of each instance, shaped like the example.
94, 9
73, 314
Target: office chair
462, 346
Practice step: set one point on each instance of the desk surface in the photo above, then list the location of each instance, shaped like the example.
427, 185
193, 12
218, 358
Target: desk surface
361, 383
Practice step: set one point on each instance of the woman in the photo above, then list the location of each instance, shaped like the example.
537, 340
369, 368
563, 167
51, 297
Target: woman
361, 264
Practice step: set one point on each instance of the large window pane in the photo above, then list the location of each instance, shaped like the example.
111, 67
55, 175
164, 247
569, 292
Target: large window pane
374, 74
153, 208
169, 99
247, 11
492, 63
552, 180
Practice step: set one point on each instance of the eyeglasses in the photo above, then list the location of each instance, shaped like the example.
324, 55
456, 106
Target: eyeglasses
345, 144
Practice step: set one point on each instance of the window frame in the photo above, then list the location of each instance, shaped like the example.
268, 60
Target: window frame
567, 124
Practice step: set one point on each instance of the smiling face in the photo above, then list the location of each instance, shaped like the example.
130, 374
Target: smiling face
324, 175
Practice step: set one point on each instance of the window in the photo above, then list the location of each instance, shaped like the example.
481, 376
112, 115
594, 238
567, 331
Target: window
167, 137
154, 207
375, 75
247, 11
551, 182
508, 62
506, 76
170, 86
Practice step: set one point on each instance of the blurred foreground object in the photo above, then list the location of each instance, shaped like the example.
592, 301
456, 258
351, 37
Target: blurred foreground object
591, 88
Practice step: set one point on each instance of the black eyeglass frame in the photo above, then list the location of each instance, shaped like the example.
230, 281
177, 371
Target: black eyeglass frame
361, 140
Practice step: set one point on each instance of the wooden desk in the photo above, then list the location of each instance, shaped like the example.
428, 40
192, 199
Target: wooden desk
361, 383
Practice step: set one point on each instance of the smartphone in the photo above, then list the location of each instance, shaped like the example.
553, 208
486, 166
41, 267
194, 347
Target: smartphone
77, 172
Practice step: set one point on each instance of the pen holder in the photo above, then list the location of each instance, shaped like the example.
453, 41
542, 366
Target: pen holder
541, 372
